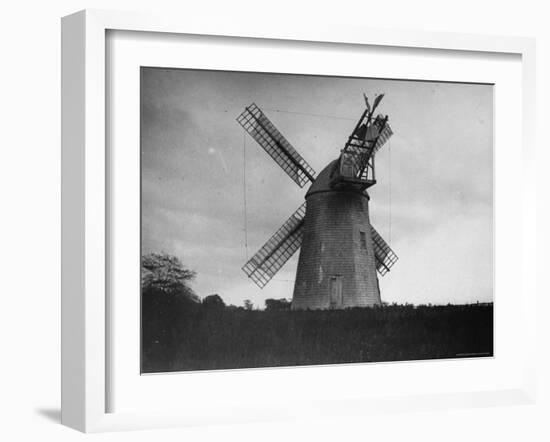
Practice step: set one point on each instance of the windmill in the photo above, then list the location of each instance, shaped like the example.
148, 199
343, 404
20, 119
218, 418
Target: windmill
340, 252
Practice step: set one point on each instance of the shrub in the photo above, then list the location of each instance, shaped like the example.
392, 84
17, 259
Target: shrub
277, 304
213, 301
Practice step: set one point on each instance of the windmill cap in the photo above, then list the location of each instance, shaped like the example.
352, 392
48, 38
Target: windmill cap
322, 182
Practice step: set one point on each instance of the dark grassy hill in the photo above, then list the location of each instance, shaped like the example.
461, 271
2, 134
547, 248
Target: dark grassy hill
180, 335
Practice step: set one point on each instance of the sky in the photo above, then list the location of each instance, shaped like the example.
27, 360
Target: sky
212, 196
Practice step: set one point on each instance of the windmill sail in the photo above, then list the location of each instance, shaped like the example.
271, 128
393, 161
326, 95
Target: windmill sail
277, 250
383, 137
384, 255
366, 141
357, 157
253, 120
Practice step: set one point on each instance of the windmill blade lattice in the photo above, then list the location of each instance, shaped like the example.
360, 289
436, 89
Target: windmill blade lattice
277, 250
254, 121
385, 135
384, 255
357, 157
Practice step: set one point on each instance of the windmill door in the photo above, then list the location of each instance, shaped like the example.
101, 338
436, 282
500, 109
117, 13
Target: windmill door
335, 290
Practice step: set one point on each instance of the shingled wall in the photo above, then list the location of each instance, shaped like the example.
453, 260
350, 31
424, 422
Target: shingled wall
333, 247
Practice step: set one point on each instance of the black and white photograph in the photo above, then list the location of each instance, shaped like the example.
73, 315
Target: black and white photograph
301, 220
243, 222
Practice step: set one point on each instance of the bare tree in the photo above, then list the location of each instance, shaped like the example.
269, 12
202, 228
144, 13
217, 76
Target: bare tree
165, 273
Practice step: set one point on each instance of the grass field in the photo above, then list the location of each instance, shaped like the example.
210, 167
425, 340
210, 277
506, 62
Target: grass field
179, 336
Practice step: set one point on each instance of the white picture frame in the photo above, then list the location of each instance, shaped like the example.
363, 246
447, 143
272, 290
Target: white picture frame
85, 203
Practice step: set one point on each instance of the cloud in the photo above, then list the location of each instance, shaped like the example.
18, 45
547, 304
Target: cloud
206, 188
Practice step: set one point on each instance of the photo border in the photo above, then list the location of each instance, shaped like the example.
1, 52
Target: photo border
85, 204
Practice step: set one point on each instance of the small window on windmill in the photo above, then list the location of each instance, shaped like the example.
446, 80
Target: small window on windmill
348, 166
363, 239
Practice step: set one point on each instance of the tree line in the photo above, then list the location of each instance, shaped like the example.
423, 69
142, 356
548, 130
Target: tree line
165, 275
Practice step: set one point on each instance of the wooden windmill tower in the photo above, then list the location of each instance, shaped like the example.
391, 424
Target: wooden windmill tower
341, 252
